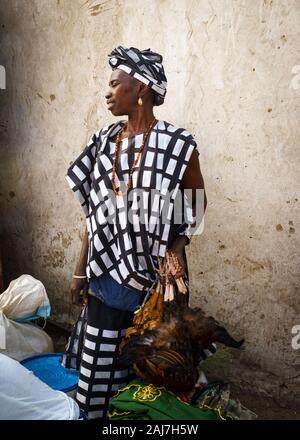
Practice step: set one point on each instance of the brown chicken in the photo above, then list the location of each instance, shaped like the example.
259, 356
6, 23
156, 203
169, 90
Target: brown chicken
168, 339
169, 354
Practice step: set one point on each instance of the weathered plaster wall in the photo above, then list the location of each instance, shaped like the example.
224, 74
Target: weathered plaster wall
232, 82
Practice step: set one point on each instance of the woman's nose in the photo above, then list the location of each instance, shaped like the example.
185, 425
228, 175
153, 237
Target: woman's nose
108, 94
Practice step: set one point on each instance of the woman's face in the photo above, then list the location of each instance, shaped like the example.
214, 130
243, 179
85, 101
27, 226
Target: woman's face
122, 95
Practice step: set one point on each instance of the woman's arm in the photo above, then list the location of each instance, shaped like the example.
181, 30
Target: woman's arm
80, 284
80, 268
192, 180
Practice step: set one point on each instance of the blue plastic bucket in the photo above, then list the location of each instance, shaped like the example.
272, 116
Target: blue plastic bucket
48, 368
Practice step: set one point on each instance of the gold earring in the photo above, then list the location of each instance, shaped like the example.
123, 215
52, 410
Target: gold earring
140, 102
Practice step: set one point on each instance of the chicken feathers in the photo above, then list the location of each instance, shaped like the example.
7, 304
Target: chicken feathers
169, 353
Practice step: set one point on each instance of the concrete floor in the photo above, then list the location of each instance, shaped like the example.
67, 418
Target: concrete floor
266, 408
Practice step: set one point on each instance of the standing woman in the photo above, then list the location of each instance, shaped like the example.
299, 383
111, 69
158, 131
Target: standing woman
141, 158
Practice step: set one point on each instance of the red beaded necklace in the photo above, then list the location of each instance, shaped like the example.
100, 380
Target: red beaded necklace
116, 155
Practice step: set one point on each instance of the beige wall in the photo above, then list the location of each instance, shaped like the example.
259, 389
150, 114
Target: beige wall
229, 65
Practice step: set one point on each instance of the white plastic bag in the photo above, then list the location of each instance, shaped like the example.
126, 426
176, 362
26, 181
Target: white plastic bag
24, 299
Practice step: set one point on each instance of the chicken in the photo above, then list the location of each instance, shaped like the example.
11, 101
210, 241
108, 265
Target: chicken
162, 356
168, 339
169, 354
203, 331
150, 315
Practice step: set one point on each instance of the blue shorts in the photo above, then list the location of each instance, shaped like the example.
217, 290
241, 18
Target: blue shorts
113, 294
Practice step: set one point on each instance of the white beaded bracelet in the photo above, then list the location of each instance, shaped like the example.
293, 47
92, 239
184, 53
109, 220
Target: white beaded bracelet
79, 276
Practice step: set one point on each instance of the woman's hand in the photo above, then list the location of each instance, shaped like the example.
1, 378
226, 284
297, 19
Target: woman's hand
176, 265
79, 288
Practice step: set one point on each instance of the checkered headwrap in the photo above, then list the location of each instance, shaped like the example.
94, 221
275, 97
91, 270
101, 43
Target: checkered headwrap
144, 65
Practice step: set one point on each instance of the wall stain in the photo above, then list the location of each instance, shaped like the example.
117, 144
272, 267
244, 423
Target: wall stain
54, 258
3, 126
242, 262
44, 99
229, 158
95, 10
66, 239
279, 227
256, 265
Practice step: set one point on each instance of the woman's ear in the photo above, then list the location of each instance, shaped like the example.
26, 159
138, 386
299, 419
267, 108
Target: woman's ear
143, 90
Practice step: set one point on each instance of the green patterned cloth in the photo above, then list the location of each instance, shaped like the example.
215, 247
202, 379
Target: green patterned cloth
142, 401
217, 395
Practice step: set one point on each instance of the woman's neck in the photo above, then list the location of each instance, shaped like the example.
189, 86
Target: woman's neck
138, 122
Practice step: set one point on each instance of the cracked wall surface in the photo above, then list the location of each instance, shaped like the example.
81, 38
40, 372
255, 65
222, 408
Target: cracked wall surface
233, 69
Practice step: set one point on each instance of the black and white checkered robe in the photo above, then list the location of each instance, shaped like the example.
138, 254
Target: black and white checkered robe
129, 251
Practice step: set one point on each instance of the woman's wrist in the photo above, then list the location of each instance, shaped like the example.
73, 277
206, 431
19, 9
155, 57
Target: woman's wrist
80, 270
179, 243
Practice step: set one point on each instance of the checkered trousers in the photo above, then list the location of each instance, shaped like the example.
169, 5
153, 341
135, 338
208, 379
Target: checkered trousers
101, 375
128, 250
72, 356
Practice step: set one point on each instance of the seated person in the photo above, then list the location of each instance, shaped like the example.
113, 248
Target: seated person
25, 397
